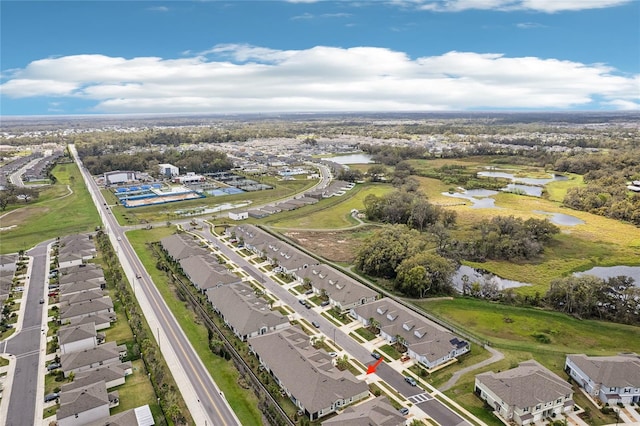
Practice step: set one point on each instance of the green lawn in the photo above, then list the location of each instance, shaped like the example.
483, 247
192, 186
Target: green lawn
226, 376
331, 213
51, 217
136, 391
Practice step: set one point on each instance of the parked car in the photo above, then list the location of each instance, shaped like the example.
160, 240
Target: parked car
307, 305
302, 301
51, 397
404, 411
53, 366
52, 294
376, 355
405, 358
325, 303
333, 354
411, 381
315, 324
308, 292
41, 301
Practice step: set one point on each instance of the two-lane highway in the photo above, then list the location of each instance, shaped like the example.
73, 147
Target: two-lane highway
206, 403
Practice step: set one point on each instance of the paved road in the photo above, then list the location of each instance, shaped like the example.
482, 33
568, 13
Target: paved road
433, 407
206, 403
28, 345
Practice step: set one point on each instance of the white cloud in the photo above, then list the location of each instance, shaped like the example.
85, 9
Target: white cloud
546, 6
529, 25
624, 105
158, 9
245, 78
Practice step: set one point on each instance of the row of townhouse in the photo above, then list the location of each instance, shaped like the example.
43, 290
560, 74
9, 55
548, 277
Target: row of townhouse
306, 375
198, 264
343, 291
426, 342
96, 367
74, 250
531, 393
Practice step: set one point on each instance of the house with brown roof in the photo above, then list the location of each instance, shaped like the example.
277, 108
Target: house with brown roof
85, 405
244, 313
307, 375
426, 342
611, 379
526, 394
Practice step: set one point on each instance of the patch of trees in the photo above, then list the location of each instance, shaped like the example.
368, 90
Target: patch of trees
457, 175
12, 194
606, 191
410, 208
205, 161
505, 238
402, 255
615, 299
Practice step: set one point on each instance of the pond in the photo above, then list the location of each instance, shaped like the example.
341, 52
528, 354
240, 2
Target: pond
606, 272
351, 159
482, 277
479, 197
524, 180
561, 218
518, 188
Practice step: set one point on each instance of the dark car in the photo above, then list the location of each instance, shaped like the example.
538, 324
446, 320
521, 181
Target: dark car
51, 397
53, 366
411, 381
315, 324
376, 355
325, 303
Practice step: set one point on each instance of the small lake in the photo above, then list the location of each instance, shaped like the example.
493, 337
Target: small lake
524, 180
561, 218
606, 272
534, 191
479, 197
351, 159
482, 277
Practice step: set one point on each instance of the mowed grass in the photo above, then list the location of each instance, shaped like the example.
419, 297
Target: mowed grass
332, 213
224, 373
136, 391
510, 330
513, 328
52, 216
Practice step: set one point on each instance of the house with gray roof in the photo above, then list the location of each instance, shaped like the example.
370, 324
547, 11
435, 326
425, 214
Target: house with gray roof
85, 405
112, 375
100, 321
307, 375
526, 394
426, 342
205, 272
96, 284
74, 338
102, 306
182, 246
611, 379
374, 412
140, 416
89, 359
82, 296
344, 293
75, 273
244, 313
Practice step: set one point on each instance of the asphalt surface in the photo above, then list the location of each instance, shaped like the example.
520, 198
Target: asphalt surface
28, 346
206, 403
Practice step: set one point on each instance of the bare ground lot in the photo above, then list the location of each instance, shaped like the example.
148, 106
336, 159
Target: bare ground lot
335, 246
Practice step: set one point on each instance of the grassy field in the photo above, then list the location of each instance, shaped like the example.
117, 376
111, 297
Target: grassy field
511, 330
52, 215
332, 213
243, 402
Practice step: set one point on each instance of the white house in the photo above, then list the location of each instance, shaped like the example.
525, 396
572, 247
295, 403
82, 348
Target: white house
239, 215
84, 405
611, 379
526, 394
168, 170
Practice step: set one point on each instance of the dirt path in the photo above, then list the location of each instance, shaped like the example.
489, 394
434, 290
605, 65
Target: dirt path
495, 357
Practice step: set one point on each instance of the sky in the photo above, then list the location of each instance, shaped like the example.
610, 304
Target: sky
242, 56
